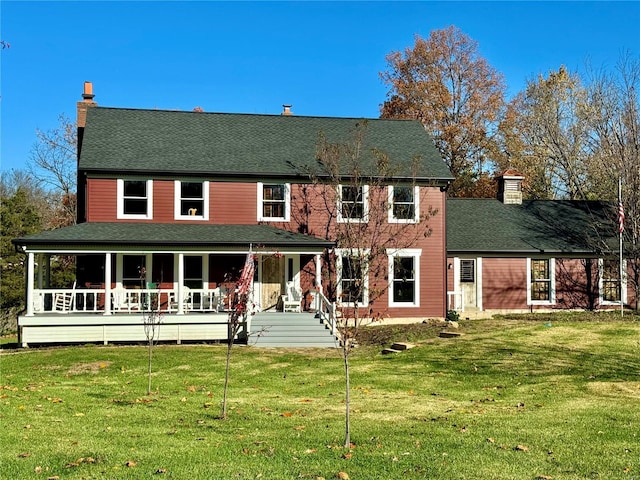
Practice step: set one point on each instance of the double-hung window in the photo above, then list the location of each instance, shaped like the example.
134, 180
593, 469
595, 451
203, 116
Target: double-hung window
135, 199
541, 281
612, 287
191, 200
353, 203
353, 273
403, 204
134, 271
274, 202
404, 277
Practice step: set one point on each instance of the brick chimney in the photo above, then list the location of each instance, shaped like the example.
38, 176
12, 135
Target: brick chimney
81, 120
510, 187
87, 101
287, 110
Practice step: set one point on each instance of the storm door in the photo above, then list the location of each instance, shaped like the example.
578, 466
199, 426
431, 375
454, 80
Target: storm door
272, 280
468, 282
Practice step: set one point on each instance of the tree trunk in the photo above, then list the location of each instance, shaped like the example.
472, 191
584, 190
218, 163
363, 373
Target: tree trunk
347, 401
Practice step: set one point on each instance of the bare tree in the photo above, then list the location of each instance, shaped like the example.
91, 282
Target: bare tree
237, 317
615, 137
151, 320
53, 163
445, 83
545, 136
351, 191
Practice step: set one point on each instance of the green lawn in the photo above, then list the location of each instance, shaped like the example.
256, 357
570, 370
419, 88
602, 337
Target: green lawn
554, 396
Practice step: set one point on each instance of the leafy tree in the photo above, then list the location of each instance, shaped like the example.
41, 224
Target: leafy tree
348, 172
445, 83
19, 216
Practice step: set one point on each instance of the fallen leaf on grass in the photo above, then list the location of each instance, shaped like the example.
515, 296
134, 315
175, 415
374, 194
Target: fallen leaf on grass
161, 471
130, 464
347, 456
306, 400
38, 469
24, 455
287, 414
544, 477
55, 477
343, 476
521, 448
311, 450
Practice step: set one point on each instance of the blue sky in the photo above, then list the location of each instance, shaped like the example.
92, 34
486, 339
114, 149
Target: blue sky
324, 58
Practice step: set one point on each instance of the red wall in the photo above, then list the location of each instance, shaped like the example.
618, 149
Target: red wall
313, 212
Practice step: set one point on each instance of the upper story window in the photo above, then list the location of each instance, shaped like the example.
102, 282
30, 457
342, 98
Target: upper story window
404, 277
541, 281
135, 199
403, 204
353, 203
191, 200
274, 201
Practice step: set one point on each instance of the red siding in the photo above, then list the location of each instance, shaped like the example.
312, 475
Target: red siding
504, 283
313, 211
101, 200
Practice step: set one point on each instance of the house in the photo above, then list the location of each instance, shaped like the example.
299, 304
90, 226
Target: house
512, 255
171, 202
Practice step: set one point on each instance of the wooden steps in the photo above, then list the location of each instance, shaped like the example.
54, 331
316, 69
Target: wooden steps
291, 330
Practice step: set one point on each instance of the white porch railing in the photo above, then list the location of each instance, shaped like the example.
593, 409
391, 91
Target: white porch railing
75, 300
455, 301
326, 310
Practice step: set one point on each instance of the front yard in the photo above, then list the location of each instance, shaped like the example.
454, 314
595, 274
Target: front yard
554, 396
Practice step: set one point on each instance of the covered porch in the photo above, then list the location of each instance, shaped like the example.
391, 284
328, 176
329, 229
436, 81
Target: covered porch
187, 275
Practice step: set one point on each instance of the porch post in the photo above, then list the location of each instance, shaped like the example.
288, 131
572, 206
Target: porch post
29, 281
41, 267
318, 273
107, 283
180, 283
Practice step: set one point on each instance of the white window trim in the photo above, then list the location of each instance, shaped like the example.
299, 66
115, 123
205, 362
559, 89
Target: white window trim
120, 201
287, 203
365, 208
177, 190
552, 286
416, 206
407, 252
623, 284
352, 252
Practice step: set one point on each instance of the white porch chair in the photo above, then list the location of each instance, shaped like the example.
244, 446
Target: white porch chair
64, 301
291, 301
123, 299
186, 300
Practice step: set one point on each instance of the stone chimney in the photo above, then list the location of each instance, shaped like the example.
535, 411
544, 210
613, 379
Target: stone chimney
510, 187
287, 110
87, 101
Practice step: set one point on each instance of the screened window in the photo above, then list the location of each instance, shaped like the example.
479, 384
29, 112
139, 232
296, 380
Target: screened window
134, 271
193, 271
352, 203
273, 201
134, 198
403, 204
540, 280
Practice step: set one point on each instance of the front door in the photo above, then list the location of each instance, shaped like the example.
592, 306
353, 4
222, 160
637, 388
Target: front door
272, 278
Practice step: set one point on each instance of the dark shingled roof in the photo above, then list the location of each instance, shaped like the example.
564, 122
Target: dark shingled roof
242, 145
486, 225
186, 235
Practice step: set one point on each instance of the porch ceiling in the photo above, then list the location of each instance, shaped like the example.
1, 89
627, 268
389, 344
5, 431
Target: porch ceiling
97, 234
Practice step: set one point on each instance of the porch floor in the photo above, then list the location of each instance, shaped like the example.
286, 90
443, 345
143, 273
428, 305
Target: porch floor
278, 329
